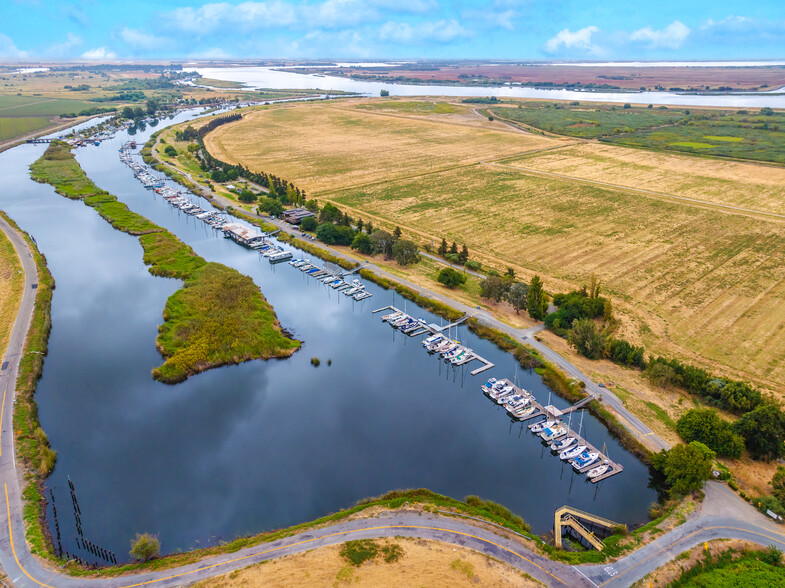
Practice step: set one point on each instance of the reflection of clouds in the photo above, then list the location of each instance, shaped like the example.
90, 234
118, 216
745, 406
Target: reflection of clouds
264, 444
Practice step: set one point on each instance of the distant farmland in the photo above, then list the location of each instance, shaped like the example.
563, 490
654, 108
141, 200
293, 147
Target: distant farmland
691, 276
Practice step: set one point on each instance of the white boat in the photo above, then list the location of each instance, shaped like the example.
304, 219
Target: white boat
542, 425
280, 256
487, 386
563, 444
352, 291
570, 453
432, 339
551, 433
522, 413
392, 316
599, 470
584, 460
362, 295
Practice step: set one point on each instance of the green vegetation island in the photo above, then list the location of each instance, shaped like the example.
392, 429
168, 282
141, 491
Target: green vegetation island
219, 317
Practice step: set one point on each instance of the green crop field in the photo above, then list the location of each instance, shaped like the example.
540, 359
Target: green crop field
740, 134
17, 126
40, 106
588, 121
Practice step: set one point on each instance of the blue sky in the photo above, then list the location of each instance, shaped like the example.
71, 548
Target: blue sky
379, 29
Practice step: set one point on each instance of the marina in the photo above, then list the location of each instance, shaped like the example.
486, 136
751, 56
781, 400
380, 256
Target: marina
451, 350
563, 441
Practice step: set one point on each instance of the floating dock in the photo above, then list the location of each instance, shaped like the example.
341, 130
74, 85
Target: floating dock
552, 413
433, 329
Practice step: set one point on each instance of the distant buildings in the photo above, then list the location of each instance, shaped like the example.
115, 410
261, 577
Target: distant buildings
296, 215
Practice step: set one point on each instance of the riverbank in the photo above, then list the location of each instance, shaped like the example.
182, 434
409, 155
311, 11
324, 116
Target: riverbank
205, 324
32, 444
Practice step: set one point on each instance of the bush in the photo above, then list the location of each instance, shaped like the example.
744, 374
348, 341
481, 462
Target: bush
473, 265
706, 426
362, 243
451, 277
763, 431
170, 151
315, 362
586, 338
331, 234
309, 223
145, 547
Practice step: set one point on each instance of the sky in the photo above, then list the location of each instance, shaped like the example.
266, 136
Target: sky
593, 30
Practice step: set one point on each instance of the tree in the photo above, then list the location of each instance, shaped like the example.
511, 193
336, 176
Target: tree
170, 151
382, 242
536, 300
362, 243
510, 273
607, 311
493, 288
443, 247
369, 227
454, 248
517, 295
451, 277
384, 93
309, 223
706, 426
663, 375
152, 106
360, 224
595, 285
763, 430
313, 206
270, 206
247, 196
145, 546
685, 467
127, 112
330, 214
463, 256
586, 338
397, 233
405, 252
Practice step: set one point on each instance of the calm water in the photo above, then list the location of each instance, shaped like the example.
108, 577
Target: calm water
265, 77
242, 449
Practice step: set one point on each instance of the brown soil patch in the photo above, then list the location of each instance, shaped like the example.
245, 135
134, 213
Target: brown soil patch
424, 563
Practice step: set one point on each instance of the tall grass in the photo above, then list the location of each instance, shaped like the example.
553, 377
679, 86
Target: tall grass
219, 317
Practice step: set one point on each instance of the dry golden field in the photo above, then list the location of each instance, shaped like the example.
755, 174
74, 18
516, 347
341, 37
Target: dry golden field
424, 564
323, 146
11, 286
695, 280
730, 183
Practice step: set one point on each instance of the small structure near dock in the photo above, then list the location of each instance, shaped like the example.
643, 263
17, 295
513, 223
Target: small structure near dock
585, 526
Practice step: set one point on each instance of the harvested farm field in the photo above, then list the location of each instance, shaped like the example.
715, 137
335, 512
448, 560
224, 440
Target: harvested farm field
697, 279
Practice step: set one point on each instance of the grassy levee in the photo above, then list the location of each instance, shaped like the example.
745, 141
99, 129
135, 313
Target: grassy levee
31, 443
205, 325
395, 499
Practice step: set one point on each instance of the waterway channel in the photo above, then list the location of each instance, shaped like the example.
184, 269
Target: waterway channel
261, 445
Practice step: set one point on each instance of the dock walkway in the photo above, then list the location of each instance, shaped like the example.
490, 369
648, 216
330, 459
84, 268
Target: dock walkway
433, 329
553, 413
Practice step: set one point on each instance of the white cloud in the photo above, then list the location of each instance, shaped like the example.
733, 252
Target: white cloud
98, 53
141, 40
276, 13
671, 37
442, 31
567, 40
9, 50
65, 48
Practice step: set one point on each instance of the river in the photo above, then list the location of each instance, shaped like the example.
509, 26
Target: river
267, 77
265, 444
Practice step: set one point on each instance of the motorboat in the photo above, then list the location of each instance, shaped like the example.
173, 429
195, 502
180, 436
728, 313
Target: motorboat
551, 433
487, 386
585, 459
542, 425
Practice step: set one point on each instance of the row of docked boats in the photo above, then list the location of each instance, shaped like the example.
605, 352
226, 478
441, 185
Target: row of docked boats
452, 351
354, 289
519, 404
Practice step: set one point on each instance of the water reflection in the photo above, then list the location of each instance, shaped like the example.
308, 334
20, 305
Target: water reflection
264, 444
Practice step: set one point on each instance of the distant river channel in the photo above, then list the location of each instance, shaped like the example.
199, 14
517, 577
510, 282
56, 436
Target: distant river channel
266, 444
267, 77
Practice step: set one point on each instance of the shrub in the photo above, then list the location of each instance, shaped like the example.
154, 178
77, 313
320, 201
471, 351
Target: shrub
309, 223
451, 277
706, 426
315, 362
473, 265
145, 547
763, 430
